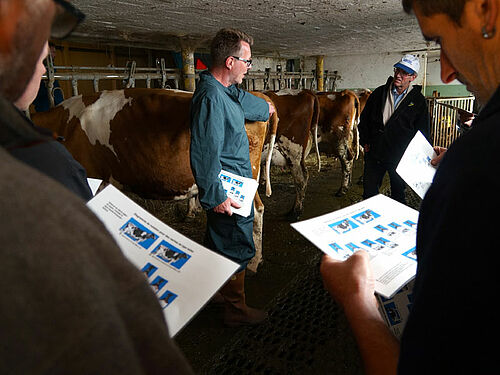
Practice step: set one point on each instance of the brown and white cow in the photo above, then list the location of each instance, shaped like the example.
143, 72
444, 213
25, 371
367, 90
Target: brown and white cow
140, 138
298, 113
338, 131
363, 97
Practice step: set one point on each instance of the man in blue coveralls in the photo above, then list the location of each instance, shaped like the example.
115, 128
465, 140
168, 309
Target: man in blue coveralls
219, 141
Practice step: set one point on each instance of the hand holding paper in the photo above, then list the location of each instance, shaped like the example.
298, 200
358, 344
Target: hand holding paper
349, 279
384, 228
440, 151
240, 192
225, 207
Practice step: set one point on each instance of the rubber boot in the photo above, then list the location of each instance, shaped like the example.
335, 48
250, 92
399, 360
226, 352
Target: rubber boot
236, 311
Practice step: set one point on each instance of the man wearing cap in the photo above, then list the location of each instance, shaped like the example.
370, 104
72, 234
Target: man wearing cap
393, 114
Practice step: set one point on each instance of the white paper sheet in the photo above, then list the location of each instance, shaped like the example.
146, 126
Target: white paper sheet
396, 310
183, 274
383, 227
94, 184
415, 166
240, 189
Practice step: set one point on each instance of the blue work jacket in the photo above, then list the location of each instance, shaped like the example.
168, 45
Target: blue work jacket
218, 136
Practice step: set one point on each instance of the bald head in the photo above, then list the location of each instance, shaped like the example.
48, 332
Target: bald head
24, 30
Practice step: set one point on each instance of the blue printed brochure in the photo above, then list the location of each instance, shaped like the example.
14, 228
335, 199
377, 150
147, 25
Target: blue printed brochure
183, 274
383, 227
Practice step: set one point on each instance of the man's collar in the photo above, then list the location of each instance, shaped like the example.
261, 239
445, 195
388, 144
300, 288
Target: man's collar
394, 91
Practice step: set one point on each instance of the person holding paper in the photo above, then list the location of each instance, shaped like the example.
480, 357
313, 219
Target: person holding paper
71, 302
452, 322
392, 115
219, 141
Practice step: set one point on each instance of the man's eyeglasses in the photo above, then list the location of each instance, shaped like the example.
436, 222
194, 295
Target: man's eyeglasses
401, 72
67, 18
248, 62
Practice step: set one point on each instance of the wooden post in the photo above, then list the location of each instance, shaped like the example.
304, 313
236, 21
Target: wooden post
113, 64
188, 71
320, 76
424, 81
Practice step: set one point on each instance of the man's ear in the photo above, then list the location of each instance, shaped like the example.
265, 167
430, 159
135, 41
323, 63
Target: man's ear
10, 12
488, 13
229, 63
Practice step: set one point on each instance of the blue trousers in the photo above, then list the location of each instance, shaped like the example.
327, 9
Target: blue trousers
231, 236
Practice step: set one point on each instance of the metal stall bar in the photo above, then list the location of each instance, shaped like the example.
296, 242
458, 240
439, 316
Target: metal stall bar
269, 80
444, 118
128, 75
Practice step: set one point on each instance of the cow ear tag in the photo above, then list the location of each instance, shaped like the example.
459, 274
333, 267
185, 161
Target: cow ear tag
411, 104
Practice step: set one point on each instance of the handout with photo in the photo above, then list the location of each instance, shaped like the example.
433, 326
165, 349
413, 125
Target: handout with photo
183, 274
386, 229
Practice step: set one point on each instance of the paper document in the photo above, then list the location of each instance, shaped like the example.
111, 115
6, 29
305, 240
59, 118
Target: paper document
415, 166
383, 227
182, 274
396, 310
240, 189
94, 184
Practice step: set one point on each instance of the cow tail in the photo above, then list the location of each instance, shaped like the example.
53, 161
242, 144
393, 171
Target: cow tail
355, 132
273, 129
315, 130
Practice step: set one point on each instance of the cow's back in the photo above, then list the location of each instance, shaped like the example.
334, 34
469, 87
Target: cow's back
296, 115
151, 138
363, 97
337, 123
138, 137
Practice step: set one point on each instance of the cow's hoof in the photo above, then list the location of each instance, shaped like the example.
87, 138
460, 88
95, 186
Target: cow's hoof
341, 192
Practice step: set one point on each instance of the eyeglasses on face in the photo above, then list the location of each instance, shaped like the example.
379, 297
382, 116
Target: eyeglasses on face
401, 72
248, 62
67, 18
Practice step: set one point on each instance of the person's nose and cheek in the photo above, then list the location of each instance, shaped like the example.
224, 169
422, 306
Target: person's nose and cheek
448, 71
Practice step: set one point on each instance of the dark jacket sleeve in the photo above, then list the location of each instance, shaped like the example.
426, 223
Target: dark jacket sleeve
423, 121
207, 140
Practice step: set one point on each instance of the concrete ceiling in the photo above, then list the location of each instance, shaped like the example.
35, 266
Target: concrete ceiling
285, 28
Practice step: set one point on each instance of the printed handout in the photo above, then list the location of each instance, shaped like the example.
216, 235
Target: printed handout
94, 184
240, 189
415, 166
396, 310
383, 227
183, 274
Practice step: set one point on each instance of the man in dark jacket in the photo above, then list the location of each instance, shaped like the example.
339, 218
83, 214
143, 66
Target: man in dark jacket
393, 114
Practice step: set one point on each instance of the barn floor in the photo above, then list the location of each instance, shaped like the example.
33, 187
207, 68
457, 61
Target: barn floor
306, 331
